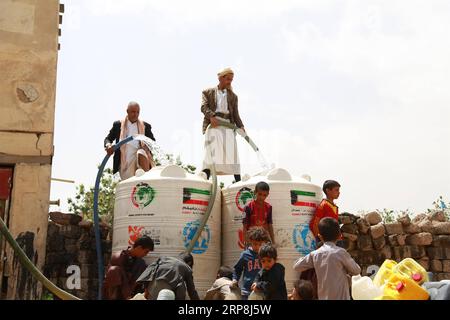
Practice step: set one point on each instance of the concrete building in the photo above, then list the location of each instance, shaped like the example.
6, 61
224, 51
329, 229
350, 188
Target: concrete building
29, 31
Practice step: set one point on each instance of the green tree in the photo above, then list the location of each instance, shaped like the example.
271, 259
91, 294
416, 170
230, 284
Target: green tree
83, 203
441, 204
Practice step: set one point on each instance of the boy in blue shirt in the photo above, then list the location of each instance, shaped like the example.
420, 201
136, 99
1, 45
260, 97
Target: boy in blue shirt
249, 264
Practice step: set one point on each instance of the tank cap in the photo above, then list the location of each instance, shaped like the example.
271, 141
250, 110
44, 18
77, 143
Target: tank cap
139, 173
400, 286
173, 171
202, 175
417, 277
307, 177
279, 174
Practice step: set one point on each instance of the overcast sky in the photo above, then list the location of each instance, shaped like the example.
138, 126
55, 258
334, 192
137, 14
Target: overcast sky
346, 90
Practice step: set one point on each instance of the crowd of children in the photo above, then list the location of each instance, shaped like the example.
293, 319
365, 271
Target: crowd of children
324, 273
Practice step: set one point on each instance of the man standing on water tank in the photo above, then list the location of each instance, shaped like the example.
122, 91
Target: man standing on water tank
221, 103
134, 154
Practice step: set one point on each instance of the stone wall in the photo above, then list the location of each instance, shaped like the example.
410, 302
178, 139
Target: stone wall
71, 245
425, 238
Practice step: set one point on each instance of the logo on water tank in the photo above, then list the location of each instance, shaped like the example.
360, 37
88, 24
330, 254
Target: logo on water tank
134, 233
303, 239
243, 197
202, 243
142, 195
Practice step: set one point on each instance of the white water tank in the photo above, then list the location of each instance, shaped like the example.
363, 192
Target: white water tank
167, 203
294, 201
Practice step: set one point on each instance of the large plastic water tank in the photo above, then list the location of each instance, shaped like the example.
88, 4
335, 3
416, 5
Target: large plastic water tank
167, 203
294, 201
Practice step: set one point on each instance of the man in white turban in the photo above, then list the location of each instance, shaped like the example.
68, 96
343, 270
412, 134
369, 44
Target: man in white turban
221, 103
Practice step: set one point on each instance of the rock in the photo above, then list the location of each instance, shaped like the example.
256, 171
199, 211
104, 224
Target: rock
365, 243
349, 236
394, 228
417, 252
426, 226
412, 228
70, 231
65, 219
401, 253
373, 218
86, 257
425, 263
392, 240
397, 240
106, 246
347, 218
418, 218
350, 228
55, 243
369, 257
54, 258
405, 220
88, 271
446, 265
377, 231
86, 224
52, 229
438, 253
71, 248
437, 216
386, 253
436, 265
441, 228
379, 243
421, 239
441, 241
363, 225
441, 276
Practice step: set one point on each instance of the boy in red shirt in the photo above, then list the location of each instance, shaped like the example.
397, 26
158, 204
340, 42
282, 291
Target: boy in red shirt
258, 213
326, 208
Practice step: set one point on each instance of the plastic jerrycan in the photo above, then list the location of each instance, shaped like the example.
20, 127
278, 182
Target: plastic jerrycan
399, 287
385, 271
364, 289
410, 268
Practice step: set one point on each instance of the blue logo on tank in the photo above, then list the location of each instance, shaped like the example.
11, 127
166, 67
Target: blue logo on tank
303, 239
202, 243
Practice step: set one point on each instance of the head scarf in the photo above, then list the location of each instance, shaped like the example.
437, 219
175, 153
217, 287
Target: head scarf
225, 71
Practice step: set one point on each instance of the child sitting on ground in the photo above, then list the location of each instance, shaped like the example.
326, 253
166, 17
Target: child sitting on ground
303, 290
270, 279
249, 264
331, 263
258, 213
222, 288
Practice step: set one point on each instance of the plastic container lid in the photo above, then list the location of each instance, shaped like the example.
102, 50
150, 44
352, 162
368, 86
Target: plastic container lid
417, 277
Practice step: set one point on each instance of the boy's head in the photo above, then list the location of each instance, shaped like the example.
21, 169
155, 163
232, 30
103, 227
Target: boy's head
225, 272
142, 247
331, 189
267, 256
257, 236
329, 229
262, 190
303, 290
187, 258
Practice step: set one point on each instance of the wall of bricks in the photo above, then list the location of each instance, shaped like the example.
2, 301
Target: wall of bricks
425, 238
71, 242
